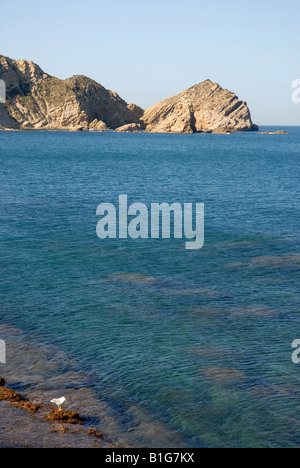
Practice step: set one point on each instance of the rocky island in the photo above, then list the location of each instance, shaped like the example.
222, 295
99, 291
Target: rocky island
205, 108
36, 100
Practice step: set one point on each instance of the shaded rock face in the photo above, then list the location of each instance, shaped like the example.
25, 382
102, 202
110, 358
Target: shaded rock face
40, 101
137, 111
19, 76
205, 107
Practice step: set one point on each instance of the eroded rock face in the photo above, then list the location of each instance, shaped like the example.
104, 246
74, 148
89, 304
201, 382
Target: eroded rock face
36, 100
137, 111
40, 101
130, 128
205, 107
19, 76
98, 126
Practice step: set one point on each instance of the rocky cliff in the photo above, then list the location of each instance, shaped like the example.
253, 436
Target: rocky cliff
205, 107
35, 99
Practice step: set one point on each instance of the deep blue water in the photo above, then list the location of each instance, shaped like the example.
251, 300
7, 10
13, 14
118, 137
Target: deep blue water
206, 348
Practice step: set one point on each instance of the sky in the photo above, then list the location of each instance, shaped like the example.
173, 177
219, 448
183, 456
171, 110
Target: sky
147, 51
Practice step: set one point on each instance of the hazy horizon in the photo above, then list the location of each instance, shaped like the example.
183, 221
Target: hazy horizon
148, 53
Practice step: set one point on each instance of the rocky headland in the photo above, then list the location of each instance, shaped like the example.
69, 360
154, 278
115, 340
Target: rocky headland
36, 100
205, 108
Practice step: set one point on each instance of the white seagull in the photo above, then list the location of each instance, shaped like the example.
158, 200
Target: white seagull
58, 402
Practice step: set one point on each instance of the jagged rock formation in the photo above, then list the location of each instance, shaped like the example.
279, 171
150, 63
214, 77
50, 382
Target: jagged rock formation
98, 126
137, 111
38, 100
130, 128
205, 107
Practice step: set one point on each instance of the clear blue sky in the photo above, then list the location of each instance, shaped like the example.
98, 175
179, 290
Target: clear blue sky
146, 51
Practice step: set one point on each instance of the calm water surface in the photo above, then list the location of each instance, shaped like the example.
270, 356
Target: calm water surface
195, 343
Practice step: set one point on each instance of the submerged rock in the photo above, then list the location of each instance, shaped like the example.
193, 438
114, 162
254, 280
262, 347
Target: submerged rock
274, 261
224, 375
252, 311
288, 261
210, 293
133, 278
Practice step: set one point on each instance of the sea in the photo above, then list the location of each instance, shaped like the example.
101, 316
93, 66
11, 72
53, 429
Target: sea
162, 346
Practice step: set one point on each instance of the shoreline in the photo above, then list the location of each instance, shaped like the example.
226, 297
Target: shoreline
35, 431
39, 372
24, 418
142, 131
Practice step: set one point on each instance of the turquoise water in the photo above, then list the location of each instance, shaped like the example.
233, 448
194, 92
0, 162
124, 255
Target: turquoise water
199, 340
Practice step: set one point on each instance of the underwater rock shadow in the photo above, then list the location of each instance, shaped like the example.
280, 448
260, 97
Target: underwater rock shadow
168, 287
223, 375
287, 261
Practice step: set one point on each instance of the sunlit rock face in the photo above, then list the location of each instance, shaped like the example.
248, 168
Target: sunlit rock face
37, 100
205, 107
